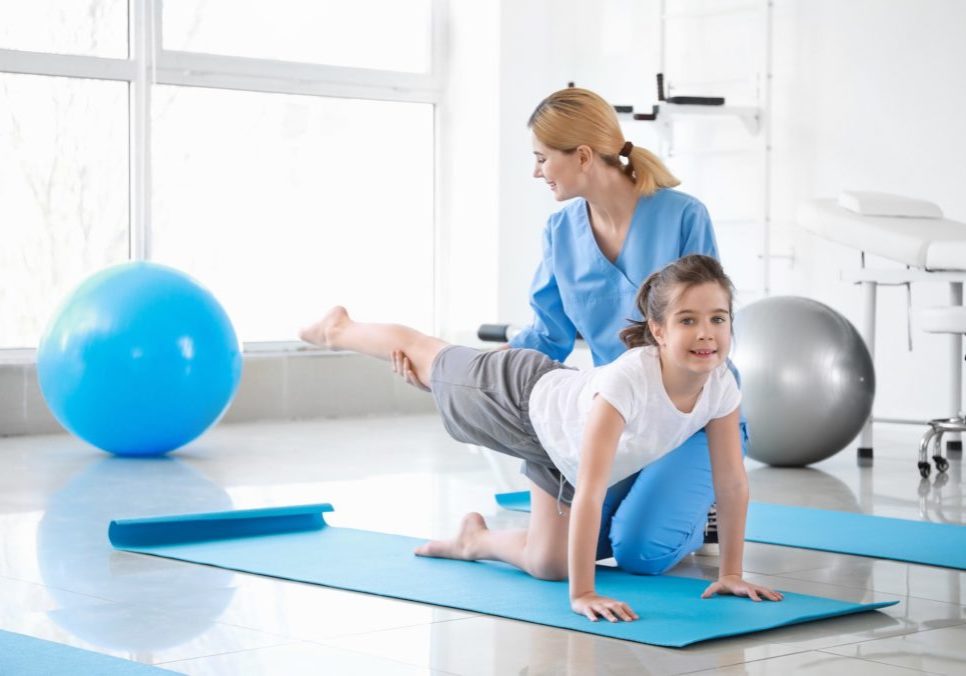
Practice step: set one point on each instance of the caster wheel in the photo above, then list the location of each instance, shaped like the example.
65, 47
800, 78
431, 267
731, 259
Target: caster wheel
941, 464
924, 469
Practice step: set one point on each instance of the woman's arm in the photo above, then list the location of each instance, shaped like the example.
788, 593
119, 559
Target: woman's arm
551, 331
603, 430
731, 495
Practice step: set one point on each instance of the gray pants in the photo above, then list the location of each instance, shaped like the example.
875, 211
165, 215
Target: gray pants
484, 399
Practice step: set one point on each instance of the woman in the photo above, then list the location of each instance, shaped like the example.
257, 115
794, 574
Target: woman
623, 223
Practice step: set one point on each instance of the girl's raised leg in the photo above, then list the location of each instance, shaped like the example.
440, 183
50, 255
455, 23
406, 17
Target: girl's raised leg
338, 331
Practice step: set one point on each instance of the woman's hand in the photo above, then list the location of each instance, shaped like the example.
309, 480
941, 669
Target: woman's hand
737, 586
401, 366
591, 606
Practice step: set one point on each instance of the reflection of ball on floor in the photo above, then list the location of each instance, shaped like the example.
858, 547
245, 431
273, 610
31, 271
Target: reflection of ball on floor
807, 380
139, 360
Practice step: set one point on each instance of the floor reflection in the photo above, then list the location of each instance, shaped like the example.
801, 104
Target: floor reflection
75, 556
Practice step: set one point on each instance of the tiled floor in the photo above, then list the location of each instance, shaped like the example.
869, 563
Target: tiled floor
59, 579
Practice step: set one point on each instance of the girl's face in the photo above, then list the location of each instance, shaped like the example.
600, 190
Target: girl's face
696, 334
561, 171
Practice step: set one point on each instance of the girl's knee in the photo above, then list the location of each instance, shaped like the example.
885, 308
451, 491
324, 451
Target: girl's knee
547, 567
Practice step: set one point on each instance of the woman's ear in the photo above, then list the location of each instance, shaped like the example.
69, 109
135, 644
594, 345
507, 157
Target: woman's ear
585, 156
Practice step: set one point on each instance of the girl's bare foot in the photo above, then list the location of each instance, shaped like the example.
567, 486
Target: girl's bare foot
323, 331
462, 547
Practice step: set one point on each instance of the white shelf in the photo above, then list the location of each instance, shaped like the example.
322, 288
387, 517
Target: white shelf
750, 116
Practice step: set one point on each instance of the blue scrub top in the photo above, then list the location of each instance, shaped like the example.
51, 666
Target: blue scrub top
577, 289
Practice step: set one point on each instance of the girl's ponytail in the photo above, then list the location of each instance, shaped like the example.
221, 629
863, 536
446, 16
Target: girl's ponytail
639, 333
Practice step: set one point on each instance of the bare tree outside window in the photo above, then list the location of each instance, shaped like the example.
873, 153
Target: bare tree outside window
240, 180
63, 171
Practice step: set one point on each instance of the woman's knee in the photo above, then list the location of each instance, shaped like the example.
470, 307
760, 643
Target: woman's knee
639, 563
650, 551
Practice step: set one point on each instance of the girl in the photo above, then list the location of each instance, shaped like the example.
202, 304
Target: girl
580, 432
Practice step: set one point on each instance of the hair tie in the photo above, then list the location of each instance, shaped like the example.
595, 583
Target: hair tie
626, 149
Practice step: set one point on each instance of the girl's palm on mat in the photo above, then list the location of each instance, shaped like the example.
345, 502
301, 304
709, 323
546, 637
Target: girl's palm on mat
738, 586
593, 605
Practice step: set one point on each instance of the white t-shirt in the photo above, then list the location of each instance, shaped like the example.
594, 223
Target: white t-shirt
561, 401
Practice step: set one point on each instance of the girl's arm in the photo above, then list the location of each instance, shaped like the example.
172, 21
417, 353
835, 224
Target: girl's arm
731, 495
603, 430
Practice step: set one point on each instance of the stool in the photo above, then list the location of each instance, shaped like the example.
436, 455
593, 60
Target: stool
941, 320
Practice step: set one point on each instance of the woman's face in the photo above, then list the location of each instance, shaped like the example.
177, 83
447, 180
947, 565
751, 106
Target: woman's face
560, 170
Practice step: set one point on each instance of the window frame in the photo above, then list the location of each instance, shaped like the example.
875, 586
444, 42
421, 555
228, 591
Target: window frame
148, 64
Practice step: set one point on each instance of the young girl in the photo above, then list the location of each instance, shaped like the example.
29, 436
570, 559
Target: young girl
580, 432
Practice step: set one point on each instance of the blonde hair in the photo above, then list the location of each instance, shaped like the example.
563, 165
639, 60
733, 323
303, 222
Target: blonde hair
574, 117
656, 294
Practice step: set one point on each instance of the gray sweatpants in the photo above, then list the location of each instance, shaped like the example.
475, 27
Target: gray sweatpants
484, 399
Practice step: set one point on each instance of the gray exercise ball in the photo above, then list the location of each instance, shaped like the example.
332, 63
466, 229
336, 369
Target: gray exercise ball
807, 380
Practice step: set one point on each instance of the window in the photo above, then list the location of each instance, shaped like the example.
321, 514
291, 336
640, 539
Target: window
376, 34
280, 152
286, 205
63, 193
87, 27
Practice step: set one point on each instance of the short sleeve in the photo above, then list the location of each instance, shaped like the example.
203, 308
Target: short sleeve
615, 383
697, 233
730, 395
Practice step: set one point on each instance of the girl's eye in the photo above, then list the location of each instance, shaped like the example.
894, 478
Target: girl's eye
719, 320
687, 321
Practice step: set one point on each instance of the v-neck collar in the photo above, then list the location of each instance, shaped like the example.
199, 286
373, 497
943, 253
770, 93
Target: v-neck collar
604, 261
656, 364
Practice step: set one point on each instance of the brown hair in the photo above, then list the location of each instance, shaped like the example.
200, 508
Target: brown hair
574, 117
659, 290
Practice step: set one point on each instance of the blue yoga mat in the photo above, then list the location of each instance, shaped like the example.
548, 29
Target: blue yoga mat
933, 544
29, 656
295, 543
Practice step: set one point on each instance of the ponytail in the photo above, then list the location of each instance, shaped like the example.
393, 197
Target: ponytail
639, 333
648, 172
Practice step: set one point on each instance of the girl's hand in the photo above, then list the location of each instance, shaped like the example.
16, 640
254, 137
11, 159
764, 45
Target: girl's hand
737, 586
592, 605
401, 366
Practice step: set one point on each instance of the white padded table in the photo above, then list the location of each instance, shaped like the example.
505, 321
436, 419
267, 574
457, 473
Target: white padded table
934, 249
943, 320
926, 243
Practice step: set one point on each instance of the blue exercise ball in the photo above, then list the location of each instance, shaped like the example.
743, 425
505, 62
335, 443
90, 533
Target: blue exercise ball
139, 360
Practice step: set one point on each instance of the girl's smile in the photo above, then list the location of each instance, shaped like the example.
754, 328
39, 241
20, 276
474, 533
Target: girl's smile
704, 353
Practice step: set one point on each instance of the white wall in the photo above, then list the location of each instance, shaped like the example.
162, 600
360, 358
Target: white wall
870, 95
506, 57
867, 94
